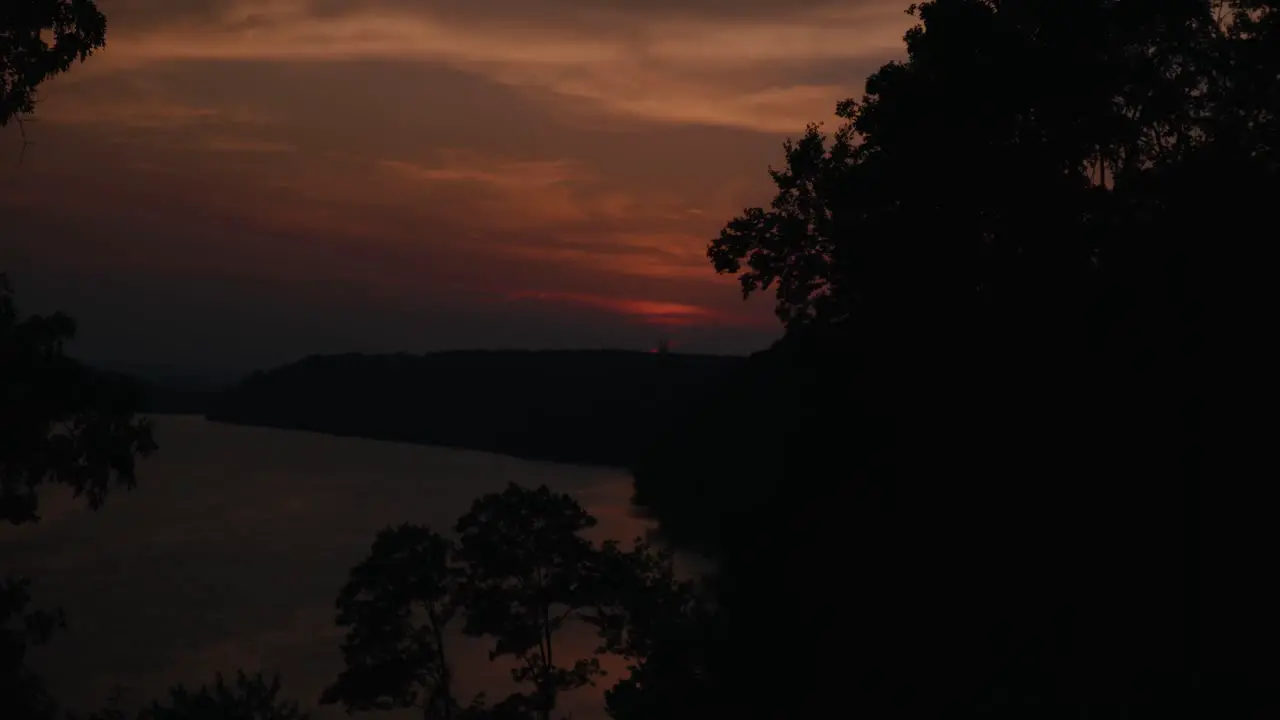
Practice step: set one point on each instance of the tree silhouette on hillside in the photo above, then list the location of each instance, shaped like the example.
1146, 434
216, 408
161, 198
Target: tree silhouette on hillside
1002, 425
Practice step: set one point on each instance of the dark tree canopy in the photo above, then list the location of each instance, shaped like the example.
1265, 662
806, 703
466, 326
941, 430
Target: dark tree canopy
60, 422
395, 607
1002, 161
22, 692
38, 40
528, 572
1005, 445
63, 424
520, 572
660, 625
247, 698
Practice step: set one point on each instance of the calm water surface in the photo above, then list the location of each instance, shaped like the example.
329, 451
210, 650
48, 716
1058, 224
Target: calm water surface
231, 550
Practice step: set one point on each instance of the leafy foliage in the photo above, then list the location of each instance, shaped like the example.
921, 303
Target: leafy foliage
59, 421
528, 573
520, 572
1067, 109
1021, 283
396, 606
22, 692
660, 625
40, 39
248, 698
113, 710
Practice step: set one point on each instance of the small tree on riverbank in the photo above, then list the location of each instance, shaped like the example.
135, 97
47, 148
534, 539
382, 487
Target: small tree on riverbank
520, 572
528, 573
395, 607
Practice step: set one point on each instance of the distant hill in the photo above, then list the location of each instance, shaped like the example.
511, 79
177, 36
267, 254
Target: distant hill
589, 407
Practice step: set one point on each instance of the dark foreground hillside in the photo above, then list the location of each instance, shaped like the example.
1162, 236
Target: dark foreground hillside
591, 407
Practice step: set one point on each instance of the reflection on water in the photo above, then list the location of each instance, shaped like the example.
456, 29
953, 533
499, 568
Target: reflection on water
232, 548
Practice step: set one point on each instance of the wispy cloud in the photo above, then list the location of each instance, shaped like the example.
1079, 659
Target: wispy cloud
463, 167
141, 111
836, 33
246, 145
660, 256
144, 112
437, 150
520, 194
658, 68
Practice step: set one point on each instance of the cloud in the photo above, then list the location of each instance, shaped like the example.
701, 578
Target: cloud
287, 30
143, 113
517, 195
729, 71
470, 167
243, 145
665, 256
807, 37
425, 158
151, 13
559, 212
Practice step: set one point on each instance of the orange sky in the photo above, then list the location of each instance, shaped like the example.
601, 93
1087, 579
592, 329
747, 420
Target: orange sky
241, 182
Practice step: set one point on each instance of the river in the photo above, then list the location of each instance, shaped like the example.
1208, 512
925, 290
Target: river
231, 550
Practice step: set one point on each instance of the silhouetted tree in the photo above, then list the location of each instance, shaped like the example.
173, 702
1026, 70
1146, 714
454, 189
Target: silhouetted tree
114, 709
22, 692
396, 606
913, 206
38, 40
528, 571
60, 422
659, 625
516, 706
520, 572
248, 698
1011, 294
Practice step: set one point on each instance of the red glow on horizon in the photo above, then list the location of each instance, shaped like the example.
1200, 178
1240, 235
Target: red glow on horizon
652, 312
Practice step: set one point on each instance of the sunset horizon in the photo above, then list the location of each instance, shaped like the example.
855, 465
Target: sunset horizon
237, 184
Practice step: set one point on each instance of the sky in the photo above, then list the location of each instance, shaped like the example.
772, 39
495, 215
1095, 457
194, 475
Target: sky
233, 184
